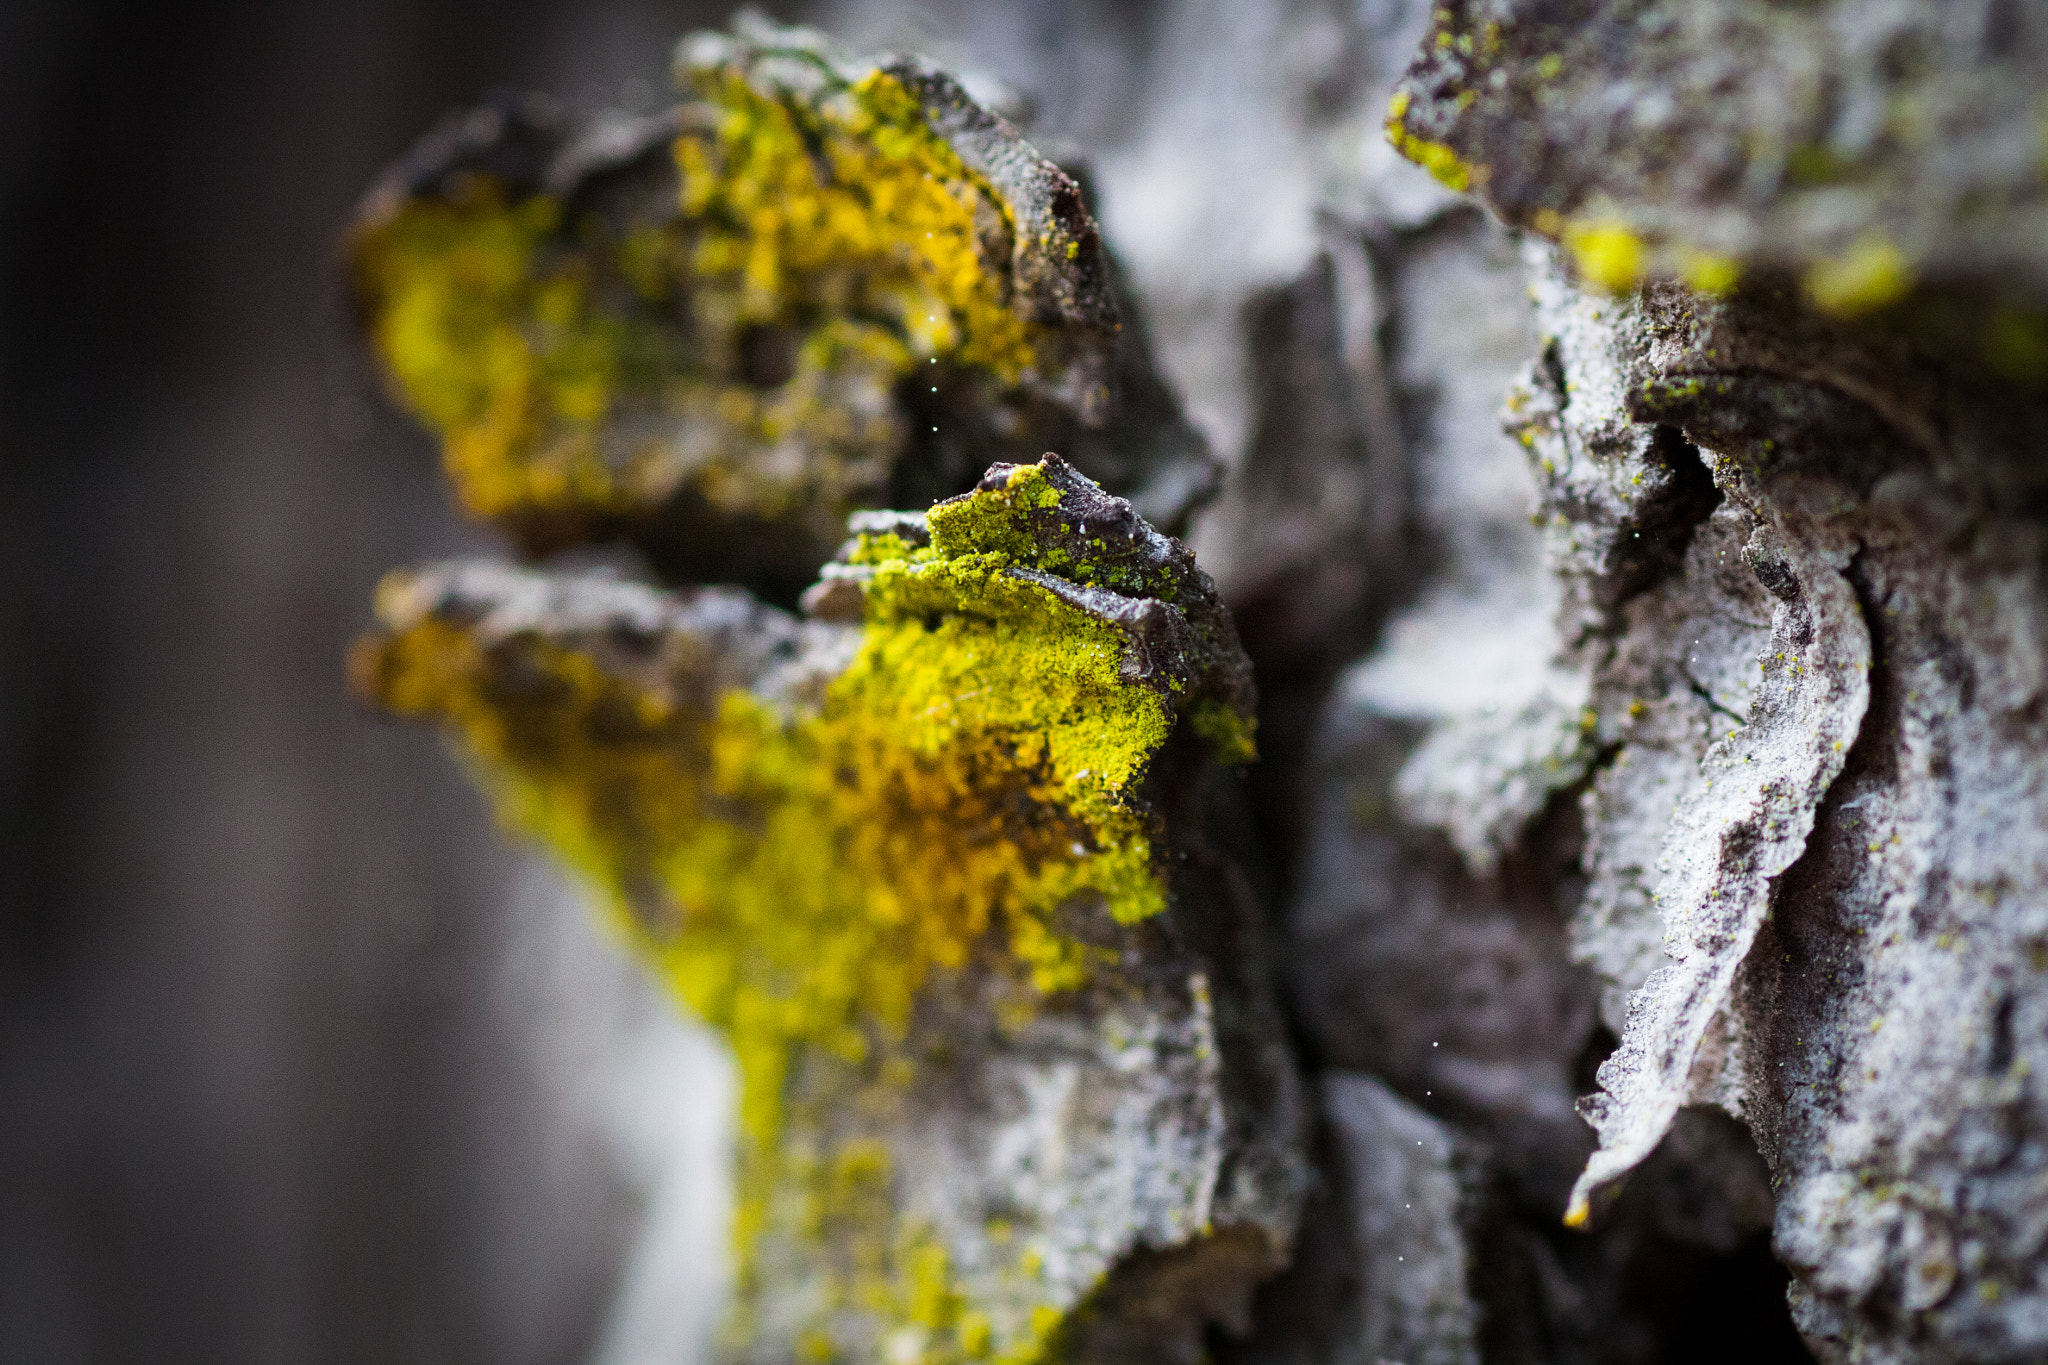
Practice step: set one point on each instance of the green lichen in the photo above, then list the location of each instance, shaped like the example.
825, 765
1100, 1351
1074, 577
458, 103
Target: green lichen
823, 241
802, 875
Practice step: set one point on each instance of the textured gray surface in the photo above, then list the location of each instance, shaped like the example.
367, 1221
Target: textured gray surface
1741, 824
1849, 615
1412, 1206
1846, 965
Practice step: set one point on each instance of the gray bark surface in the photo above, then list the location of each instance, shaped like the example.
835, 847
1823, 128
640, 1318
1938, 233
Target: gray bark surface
1633, 516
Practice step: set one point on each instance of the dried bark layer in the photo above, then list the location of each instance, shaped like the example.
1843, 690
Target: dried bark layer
1866, 1001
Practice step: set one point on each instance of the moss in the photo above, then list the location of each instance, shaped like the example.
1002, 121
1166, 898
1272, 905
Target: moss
1449, 169
802, 875
823, 241
1872, 274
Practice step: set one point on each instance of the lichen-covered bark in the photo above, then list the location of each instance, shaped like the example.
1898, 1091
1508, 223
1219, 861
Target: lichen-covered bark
814, 286
1012, 1086
1652, 684
1856, 145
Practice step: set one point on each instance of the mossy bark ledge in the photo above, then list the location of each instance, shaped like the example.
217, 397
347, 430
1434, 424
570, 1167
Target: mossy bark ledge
1013, 1087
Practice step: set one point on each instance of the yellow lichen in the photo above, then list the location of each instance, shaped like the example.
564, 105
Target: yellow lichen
1443, 163
853, 205
597, 367
490, 338
1229, 733
802, 874
1710, 272
895, 1272
1870, 275
1608, 253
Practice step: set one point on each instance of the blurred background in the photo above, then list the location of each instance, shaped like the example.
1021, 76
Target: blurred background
300, 1060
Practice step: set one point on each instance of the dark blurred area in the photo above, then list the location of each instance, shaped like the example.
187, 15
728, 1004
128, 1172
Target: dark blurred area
263, 1093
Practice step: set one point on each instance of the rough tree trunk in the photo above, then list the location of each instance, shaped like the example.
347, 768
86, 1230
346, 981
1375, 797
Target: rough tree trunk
1638, 544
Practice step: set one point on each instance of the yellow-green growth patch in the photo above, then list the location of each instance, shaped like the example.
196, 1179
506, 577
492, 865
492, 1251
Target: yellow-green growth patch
485, 326
803, 874
850, 206
1608, 253
893, 1271
1710, 272
745, 341
1449, 169
1870, 275
821, 865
